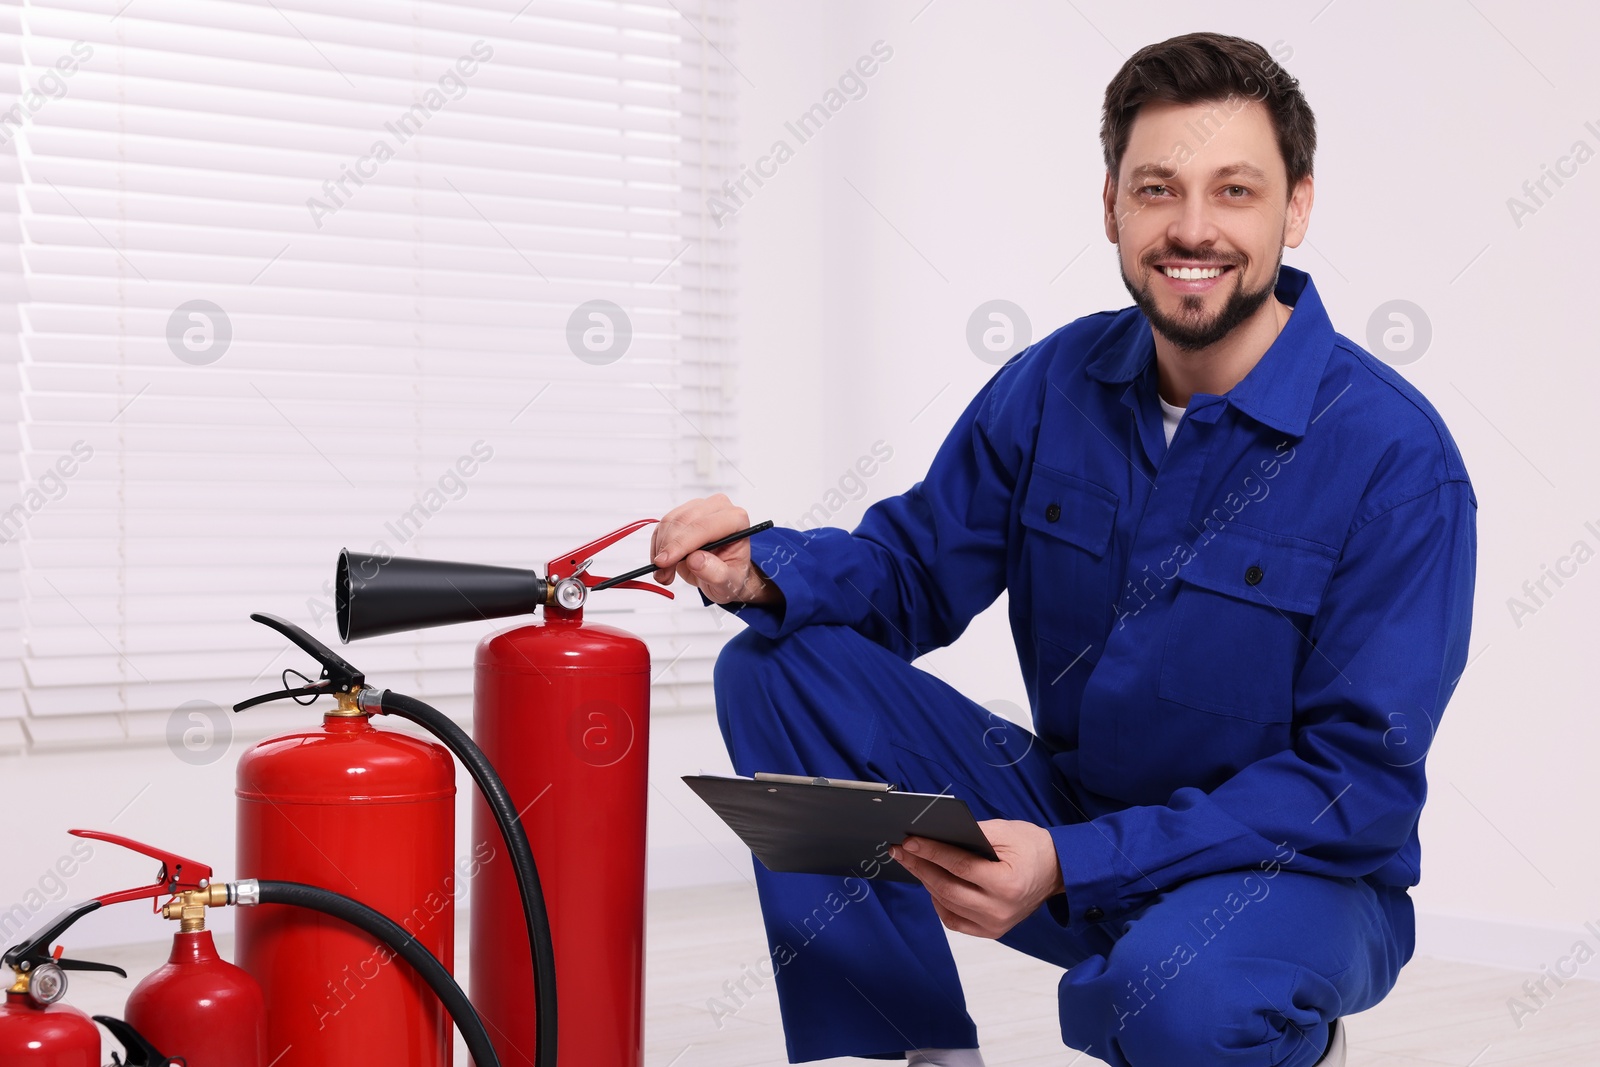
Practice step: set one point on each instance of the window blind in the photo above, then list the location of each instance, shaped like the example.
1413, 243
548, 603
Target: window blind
298, 275
12, 709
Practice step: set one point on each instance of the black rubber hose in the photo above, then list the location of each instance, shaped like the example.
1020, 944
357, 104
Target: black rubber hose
500, 803
391, 933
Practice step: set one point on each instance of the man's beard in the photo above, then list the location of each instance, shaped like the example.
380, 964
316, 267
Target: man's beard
1190, 333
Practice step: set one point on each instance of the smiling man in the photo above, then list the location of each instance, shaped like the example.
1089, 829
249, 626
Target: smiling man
1240, 557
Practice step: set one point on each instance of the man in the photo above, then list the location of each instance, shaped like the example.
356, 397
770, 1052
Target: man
1240, 556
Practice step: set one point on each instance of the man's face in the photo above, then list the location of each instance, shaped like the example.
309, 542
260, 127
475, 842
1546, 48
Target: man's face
1200, 215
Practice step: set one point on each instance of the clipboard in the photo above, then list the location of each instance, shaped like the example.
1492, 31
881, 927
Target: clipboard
835, 826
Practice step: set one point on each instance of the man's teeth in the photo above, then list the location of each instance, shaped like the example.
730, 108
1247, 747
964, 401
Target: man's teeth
1191, 273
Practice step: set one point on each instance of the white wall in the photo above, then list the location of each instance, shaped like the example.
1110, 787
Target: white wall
977, 142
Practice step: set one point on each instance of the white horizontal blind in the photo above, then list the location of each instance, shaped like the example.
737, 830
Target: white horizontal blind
12, 736
397, 208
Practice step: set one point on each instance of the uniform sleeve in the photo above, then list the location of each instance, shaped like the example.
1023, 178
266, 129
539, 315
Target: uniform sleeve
920, 565
1389, 645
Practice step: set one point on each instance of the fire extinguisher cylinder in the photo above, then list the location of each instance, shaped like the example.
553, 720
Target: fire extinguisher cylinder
380, 927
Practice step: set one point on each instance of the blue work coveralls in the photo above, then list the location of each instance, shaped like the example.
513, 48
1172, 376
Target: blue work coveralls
1237, 649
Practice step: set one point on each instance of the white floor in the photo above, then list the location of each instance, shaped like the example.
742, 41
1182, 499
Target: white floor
1441, 1013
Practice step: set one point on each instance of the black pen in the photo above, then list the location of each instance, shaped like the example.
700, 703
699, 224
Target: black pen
647, 568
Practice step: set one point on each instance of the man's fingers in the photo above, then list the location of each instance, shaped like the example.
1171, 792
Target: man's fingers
953, 858
961, 906
956, 921
956, 892
660, 532
965, 917
688, 526
715, 577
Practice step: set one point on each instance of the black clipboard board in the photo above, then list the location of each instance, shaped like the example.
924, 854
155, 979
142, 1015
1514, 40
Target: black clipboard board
833, 826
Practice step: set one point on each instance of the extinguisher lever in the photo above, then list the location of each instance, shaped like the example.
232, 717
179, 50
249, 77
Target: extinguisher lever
86, 965
177, 873
572, 569
36, 949
338, 675
139, 1050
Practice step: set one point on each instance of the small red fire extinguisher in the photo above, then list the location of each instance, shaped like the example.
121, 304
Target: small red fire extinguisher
36, 1028
198, 1004
209, 1011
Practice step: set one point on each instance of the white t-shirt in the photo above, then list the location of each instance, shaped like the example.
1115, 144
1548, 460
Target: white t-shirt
1170, 416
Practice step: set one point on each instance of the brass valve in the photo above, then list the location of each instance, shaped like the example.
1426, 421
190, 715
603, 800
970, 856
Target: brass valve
349, 705
189, 907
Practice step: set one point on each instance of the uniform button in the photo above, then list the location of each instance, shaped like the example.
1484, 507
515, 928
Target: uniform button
1254, 575
1094, 915
1052, 513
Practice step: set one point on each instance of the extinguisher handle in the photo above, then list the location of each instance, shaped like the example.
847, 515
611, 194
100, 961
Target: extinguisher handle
338, 674
571, 564
140, 1051
177, 873
89, 965
36, 950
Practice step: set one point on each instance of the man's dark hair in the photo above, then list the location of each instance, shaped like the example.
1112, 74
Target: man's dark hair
1202, 67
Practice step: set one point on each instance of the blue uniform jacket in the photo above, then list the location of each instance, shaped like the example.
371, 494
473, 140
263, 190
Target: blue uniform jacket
1240, 641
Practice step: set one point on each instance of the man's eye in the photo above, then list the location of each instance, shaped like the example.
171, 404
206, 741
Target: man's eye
1153, 190
1234, 192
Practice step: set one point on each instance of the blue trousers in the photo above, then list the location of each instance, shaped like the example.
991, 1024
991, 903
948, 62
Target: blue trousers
1242, 967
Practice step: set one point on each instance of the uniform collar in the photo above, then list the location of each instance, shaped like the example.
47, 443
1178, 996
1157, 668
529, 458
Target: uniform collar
1280, 388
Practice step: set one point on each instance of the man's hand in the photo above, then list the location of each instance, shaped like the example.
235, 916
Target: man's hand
981, 897
725, 575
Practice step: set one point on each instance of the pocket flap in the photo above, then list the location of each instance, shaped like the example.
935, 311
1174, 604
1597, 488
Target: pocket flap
1069, 508
1276, 570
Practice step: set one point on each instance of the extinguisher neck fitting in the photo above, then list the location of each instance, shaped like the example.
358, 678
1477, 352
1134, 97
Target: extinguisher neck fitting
557, 616
189, 907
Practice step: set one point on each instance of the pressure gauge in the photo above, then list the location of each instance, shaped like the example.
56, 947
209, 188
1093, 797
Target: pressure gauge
47, 984
571, 593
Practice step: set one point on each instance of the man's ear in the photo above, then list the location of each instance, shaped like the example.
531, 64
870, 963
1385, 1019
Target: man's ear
1109, 196
1297, 213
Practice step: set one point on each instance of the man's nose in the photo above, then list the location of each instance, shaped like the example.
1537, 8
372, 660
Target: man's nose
1195, 225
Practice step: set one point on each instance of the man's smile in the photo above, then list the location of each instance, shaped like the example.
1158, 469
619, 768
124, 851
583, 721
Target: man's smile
1193, 277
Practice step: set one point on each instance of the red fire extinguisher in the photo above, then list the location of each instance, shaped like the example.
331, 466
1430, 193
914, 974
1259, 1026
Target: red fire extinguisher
370, 814
36, 1028
197, 1003
562, 708
59, 1035
209, 1010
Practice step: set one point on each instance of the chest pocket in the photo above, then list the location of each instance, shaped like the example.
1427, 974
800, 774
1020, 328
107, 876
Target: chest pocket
1067, 558
1239, 625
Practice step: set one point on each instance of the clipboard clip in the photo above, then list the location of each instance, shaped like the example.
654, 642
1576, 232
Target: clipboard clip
839, 783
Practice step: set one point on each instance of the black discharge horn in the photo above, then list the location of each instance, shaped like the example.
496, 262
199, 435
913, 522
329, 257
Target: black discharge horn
376, 595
